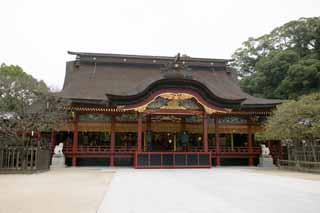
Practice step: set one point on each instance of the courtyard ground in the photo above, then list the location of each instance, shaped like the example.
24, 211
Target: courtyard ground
233, 189
229, 190
70, 190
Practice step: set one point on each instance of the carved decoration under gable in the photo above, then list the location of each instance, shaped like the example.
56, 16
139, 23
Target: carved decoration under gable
171, 118
193, 119
176, 101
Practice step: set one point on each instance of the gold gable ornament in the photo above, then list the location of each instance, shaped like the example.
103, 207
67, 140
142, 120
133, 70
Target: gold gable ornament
173, 103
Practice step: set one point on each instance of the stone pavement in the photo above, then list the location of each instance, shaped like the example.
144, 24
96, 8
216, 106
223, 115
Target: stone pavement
69, 190
245, 190
87, 190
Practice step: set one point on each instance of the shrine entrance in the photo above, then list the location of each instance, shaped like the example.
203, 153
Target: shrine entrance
172, 136
168, 129
182, 141
163, 142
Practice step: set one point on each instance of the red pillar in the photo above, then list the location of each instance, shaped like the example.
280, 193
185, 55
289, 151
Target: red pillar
139, 139
250, 148
217, 138
113, 140
148, 129
205, 132
75, 141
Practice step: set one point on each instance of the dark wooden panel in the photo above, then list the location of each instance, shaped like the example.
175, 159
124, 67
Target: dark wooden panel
173, 160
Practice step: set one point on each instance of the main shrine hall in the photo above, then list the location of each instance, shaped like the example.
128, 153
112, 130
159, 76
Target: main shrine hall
159, 112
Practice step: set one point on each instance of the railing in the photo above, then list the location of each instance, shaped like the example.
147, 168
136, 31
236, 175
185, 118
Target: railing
99, 149
307, 166
131, 150
105, 149
172, 160
125, 149
235, 150
24, 159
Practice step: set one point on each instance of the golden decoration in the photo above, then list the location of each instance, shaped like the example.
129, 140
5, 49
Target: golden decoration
174, 103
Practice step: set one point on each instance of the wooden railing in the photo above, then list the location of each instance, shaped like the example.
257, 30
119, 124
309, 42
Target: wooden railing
98, 149
24, 159
131, 149
235, 150
126, 149
307, 166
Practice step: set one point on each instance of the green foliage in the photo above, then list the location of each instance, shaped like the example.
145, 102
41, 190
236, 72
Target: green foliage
295, 120
284, 63
16, 86
26, 105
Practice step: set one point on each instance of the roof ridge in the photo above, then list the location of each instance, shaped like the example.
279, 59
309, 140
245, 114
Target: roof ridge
151, 57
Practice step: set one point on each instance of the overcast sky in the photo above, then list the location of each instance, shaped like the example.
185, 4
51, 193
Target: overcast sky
37, 34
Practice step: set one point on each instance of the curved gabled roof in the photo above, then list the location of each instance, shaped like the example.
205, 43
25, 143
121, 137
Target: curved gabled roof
91, 76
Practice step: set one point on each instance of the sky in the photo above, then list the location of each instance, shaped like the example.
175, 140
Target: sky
36, 35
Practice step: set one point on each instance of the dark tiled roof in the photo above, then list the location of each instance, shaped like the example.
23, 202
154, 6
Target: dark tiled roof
91, 76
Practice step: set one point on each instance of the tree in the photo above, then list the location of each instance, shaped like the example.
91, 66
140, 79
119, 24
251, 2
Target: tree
296, 121
282, 64
26, 105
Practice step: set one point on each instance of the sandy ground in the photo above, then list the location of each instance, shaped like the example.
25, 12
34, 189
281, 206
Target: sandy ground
288, 173
89, 190
78, 190
230, 190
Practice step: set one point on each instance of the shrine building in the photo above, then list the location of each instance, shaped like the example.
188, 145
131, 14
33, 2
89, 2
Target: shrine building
159, 112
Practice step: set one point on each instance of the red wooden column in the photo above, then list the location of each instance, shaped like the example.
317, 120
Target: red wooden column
205, 132
139, 139
75, 140
217, 138
113, 140
250, 148
148, 129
